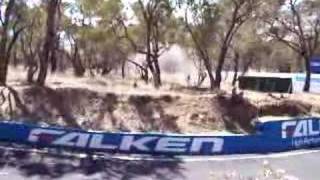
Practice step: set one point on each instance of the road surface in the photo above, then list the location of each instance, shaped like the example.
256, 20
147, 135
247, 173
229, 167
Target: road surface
20, 165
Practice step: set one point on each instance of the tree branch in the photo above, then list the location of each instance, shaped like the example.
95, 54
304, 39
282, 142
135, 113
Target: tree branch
202, 52
295, 47
144, 13
131, 41
7, 14
13, 40
298, 23
137, 64
316, 30
287, 27
1, 20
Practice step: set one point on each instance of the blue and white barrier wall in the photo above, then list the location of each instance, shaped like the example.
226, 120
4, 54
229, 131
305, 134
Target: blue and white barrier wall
275, 136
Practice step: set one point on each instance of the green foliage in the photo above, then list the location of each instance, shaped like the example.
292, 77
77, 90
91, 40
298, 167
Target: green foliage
93, 28
93, 25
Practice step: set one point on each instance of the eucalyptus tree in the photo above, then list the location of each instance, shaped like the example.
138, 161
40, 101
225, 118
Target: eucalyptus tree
218, 22
201, 24
252, 48
30, 40
234, 14
11, 26
297, 25
48, 50
149, 35
90, 35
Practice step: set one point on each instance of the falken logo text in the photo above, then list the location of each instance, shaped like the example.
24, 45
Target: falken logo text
301, 128
126, 143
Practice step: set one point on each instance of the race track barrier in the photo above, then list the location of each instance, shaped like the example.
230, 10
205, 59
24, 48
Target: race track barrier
275, 136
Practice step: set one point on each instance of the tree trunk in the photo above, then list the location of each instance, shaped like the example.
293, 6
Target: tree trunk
3, 68
3, 60
299, 63
32, 62
52, 8
246, 65
53, 58
15, 61
78, 68
236, 69
306, 87
123, 69
148, 54
4, 54
157, 74
221, 60
208, 66
32, 69
145, 75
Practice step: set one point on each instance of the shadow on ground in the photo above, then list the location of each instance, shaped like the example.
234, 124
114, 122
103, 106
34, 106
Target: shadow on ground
66, 106
39, 103
50, 167
236, 112
152, 114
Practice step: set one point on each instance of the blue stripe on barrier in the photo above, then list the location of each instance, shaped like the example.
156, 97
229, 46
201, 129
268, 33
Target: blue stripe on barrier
272, 136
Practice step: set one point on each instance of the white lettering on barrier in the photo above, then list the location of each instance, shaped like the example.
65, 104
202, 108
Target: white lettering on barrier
96, 143
127, 142
312, 131
285, 126
301, 128
36, 133
305, 142
73, 139
197, 144
171, 144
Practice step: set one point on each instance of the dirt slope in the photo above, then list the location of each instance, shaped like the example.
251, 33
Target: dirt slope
112, 104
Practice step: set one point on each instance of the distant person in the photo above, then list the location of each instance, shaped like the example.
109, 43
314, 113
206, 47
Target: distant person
188, 79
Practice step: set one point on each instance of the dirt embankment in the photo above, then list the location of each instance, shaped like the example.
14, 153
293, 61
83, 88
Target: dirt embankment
108, 111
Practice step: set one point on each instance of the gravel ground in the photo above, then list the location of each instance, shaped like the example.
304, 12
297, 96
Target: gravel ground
296, 165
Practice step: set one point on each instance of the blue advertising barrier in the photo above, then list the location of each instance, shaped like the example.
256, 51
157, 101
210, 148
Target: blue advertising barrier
275, 136
315, 65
